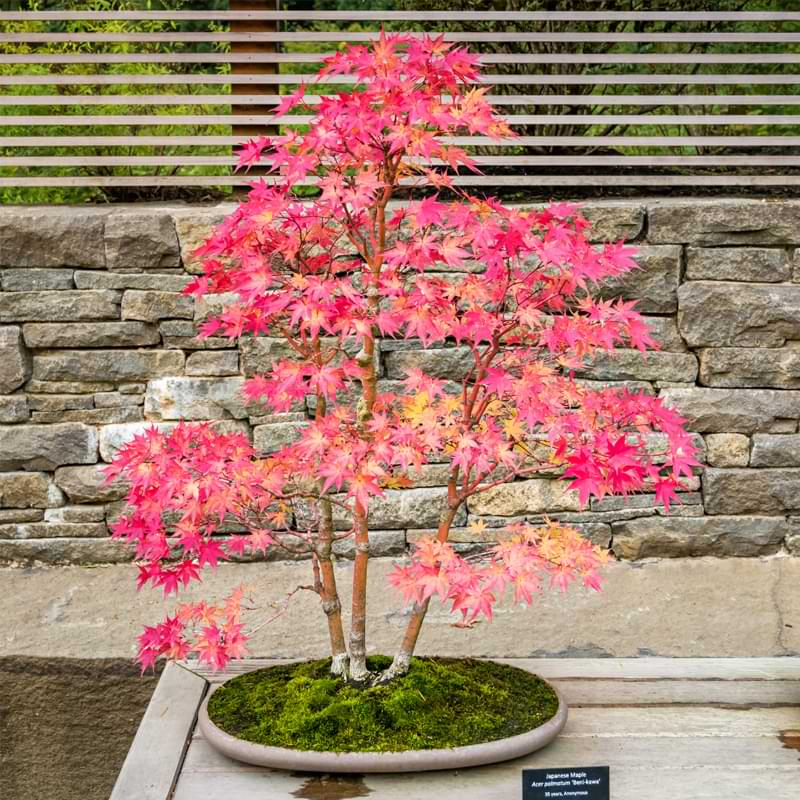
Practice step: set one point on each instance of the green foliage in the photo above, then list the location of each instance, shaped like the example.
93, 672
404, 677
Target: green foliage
439, 703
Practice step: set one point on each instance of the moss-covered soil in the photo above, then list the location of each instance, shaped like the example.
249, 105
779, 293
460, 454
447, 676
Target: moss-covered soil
440, 703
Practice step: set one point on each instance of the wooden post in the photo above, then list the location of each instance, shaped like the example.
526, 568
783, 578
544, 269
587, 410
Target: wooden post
244, 131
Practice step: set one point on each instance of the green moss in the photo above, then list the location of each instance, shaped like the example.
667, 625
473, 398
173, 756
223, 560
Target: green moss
439, 703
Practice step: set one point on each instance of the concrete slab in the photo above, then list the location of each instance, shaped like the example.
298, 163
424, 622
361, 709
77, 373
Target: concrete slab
673, 607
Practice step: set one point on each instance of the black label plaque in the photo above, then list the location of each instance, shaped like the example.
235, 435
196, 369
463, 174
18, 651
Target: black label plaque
567, 783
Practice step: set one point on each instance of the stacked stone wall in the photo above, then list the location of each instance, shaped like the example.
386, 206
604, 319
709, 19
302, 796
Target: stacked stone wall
97, 342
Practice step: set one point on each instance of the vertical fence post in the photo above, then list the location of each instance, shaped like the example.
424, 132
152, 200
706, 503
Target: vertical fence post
245, 131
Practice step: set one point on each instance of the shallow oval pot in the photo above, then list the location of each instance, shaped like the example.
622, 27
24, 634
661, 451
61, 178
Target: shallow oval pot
473, 755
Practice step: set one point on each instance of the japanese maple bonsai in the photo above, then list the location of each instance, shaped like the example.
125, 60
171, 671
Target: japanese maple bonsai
333, 276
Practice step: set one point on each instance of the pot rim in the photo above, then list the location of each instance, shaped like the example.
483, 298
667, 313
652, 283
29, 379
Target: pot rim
471, 755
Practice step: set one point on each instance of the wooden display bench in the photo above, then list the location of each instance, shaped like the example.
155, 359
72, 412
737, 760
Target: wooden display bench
670, 729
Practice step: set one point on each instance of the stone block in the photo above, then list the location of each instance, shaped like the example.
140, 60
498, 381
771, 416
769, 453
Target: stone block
212, 305
213, 363
90, 334
151, 306
159, 281
88, 485
90, 416
667, 537
140, 240
273, 437
113, 437
15, 361
736, 411
20, 515
52, 237
38, 447
751, 491
60, 402
445, 363
665, 331
35, 280
193, 227
625, 365
613, 220
725, 314
525, 497
773, 450
756, 264
48, 530
28, 490
750, 367
106, 365
727, 449
724, 222
14, 408
66, 550
654, 284
67, 387
381, 544
117, 399
61, 306
401, 508
195, 398
75, 514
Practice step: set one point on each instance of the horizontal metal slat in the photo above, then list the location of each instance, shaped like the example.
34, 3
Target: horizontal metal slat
485, 58
549, 141
488, 80
368, 36
418, 15
509, 161
506, 161
514, 119
609, 99
500, 180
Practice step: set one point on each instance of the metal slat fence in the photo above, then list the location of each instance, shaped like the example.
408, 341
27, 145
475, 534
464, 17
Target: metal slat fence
662, 99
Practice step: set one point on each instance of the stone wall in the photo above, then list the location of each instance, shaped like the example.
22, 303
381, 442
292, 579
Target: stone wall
97, 342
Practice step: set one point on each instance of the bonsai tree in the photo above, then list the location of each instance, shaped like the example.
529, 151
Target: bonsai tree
332, 277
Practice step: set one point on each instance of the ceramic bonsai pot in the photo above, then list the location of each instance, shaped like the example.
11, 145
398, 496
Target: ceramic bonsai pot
407, 761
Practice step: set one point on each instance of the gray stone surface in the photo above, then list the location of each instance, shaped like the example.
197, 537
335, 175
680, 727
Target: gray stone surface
88, 485
37, 447
56, 530
727, 314
216, 363
169, 282
631, 365
112, 437
60, 402
28, 490
51, 237
525, 497
655, 283
35, 280
613, 220
90, 334
757, 264
109, 365
15, 361
678, 537
14, 408
64, 550
193, 227
724, 222
751, 367
272, 437
447, 363
751, 491
665, 331
684, 596
195, 398
60, 306
139, 240
398, 506
736, 411
775, 450
151, 306
728, 449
